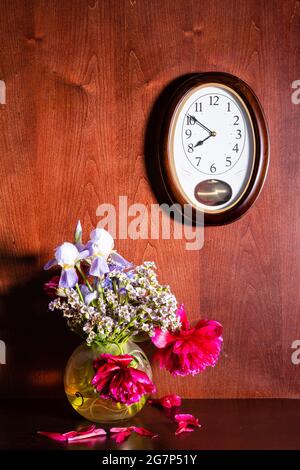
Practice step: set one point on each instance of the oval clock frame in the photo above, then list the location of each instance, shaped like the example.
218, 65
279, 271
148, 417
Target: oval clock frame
261, 148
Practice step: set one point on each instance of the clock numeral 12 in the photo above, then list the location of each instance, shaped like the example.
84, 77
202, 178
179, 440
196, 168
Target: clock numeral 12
214, 100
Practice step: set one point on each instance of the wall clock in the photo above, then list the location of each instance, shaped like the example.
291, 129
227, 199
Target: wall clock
214, 151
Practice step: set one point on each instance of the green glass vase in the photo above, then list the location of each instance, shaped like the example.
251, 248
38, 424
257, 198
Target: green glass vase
83, 396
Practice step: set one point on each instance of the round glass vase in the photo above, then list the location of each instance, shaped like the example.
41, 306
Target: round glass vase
84, 397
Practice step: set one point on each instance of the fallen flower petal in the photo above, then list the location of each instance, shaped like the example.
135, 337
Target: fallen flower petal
182, 427
144, 432
186, 423
168, 401
72, 436
187, 418
113, 430
86, 435
121, 434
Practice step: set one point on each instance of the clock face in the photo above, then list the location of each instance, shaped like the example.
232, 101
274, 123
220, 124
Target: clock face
212, 147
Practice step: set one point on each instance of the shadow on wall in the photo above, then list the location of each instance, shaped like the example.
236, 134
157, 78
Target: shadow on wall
153, 136
37, 341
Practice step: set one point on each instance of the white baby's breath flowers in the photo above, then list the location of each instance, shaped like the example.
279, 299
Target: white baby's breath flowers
128, 302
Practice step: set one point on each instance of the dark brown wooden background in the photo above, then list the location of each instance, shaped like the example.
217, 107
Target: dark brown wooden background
84, 80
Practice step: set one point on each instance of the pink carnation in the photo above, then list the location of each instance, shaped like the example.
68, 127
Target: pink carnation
115, 379
190, 350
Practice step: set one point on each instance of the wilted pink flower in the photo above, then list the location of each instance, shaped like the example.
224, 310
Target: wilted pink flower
168, 401
121, 434
190, 350
186, 423
51, 286
115, 379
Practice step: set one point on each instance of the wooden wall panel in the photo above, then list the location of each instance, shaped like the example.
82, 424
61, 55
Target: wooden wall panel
83, 85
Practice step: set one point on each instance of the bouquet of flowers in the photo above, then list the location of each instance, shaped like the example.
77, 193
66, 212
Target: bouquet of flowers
107, 300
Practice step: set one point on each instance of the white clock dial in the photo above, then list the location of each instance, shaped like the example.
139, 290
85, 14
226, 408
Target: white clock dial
212, 143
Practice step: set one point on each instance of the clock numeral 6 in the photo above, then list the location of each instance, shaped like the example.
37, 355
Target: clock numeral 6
213, 168
190, 148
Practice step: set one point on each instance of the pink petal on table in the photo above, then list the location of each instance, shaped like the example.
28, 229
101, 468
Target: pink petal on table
72, 436
187, 418
121, 436
88, 428
144, 432
87, 435
167, 401
183, 427
113, 430
186, 423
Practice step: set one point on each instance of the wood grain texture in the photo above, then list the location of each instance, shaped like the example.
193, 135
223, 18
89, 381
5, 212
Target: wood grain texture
83, 79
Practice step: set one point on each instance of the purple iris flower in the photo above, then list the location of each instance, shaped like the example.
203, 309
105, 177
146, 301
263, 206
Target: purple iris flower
66, 256
119, 261
87, 295
100, 247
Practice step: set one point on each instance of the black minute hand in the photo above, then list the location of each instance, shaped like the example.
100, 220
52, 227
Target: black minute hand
199, 123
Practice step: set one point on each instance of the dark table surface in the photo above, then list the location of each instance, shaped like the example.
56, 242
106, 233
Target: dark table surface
226, 424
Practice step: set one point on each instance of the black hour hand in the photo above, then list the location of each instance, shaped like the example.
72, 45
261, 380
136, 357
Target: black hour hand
200, 142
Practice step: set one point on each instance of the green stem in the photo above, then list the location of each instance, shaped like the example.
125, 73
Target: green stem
121, 334
84, 278
79, 292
